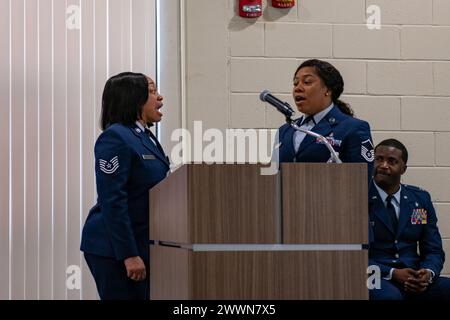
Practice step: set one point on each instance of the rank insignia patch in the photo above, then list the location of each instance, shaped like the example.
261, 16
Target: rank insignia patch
367, 151
109, 167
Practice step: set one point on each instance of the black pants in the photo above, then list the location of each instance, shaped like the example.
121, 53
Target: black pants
112, 282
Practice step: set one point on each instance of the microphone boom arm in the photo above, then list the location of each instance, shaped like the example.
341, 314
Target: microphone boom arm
334, 155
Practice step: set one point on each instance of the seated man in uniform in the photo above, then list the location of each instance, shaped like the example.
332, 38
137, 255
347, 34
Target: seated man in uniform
405, 240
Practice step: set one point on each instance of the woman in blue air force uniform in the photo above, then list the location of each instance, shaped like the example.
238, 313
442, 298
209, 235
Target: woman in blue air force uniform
128, 162
317, 88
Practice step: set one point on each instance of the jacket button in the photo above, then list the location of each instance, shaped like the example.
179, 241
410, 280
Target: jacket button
397, 256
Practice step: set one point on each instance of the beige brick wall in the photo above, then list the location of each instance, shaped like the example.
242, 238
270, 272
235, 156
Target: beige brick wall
397, 78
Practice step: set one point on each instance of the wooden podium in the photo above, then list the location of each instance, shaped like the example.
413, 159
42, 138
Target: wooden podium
224, 231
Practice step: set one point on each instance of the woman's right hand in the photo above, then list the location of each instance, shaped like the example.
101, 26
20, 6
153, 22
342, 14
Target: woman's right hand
135, 268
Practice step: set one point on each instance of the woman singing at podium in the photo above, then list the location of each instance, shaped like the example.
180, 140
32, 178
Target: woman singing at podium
316, 91
128, 162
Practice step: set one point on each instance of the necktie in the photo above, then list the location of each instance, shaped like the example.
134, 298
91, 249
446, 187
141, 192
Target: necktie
299, 136
308, 119
391, 211
154, 140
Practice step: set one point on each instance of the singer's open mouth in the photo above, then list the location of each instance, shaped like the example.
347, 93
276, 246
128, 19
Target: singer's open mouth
299, 98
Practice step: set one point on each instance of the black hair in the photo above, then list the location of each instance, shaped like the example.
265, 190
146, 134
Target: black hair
123, 97
396, 144
332, 79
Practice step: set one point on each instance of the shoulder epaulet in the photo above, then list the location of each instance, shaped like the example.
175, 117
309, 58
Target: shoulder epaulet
413, 188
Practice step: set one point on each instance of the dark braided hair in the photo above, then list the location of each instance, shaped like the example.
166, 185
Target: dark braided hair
332, 79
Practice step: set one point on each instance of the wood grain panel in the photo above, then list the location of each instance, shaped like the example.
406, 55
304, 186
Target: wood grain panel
169, 273
279, 275
259, 274
169, 208
217, 203
324, 203
232, 203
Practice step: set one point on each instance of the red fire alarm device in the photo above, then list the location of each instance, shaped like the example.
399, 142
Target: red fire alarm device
250, 8
283, 4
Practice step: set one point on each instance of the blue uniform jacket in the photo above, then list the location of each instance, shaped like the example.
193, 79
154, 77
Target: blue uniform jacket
349, 136
417, 229
127, 165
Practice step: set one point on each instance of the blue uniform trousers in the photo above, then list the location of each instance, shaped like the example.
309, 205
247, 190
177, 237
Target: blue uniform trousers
112, 282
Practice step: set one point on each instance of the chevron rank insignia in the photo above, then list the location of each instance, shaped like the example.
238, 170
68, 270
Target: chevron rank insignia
367, 151
109, 167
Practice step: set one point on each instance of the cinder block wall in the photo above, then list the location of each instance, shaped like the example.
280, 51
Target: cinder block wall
397, 78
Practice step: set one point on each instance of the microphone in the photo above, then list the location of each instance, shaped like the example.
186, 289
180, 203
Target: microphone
286, 109
281, 106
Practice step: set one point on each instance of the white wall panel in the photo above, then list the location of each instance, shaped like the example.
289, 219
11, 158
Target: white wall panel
4, 143
45, 133
74, 148
115, 25
89, 125
60, 149
31, 151
17, 149
53, 74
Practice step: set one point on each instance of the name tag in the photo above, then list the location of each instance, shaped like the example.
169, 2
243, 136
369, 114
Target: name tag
148, 157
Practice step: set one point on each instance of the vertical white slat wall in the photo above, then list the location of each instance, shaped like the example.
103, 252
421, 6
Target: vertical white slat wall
74, 178
45, 134
89, 126
5, 113
52, 79
31, 150
60, 148
17, 148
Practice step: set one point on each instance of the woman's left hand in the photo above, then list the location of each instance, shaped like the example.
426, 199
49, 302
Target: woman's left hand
135, 268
